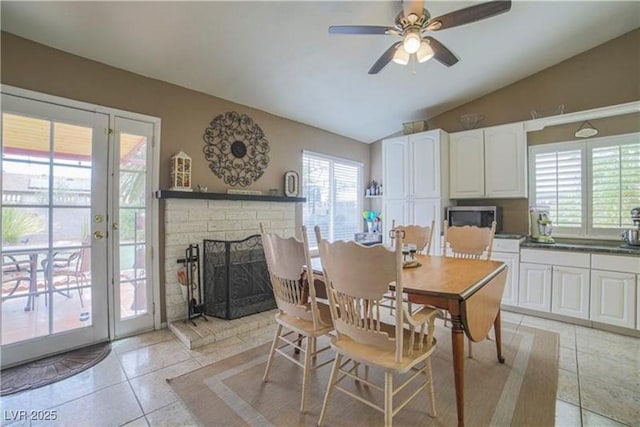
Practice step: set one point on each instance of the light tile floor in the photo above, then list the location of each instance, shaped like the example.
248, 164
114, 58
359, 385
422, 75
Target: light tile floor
599, 380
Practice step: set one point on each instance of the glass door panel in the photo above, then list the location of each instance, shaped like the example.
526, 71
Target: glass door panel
53, 187
133, 292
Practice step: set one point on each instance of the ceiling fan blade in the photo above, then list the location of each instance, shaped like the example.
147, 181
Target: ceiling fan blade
361, 29
469, 14
384, 59
441, 53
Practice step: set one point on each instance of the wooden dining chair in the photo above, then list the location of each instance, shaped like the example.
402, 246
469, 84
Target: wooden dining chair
468, 242
357, 277
416, 235
299, 315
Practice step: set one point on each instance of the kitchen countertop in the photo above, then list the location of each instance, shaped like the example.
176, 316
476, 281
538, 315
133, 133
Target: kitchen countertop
614, 247
509, 236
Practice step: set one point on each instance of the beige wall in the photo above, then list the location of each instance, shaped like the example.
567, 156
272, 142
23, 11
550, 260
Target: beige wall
185, 113
608, 74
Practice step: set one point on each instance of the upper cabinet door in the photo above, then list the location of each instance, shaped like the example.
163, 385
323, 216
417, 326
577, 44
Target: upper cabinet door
395, 167
505, 161
425, 154
466, 164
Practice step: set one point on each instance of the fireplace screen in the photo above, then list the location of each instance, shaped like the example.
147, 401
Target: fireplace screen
236, 279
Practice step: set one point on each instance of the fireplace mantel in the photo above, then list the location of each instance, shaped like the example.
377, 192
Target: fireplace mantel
166, 194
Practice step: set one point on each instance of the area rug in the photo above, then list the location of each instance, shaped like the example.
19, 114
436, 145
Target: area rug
51, 369
521, 392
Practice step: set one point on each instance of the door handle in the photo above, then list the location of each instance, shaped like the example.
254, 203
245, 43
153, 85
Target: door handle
115, 226
98, 235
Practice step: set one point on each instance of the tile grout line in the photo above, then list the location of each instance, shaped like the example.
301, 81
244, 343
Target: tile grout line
575, 342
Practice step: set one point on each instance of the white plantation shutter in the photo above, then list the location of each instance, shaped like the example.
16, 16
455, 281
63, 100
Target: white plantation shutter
590, 186
331, 186
615, 184
558, 184
347, 214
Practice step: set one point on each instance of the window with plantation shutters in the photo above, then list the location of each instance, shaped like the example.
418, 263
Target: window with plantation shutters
615, 183
589, 186
332, 188
558, 184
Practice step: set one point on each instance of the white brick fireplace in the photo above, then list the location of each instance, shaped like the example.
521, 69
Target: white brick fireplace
193, 220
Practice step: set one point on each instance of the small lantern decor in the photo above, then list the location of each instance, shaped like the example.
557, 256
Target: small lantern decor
180, 172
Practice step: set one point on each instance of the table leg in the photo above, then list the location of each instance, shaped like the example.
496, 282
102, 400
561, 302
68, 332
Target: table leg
497, 326
457, 346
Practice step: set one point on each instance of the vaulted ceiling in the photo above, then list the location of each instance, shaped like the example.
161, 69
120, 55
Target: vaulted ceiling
279, 57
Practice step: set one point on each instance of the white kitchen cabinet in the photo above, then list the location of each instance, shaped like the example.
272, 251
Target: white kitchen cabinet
570, 291
534, 289
415, 171
508, 251
395, 167
466, 164
555, 281
489, 162
613, 298
614, 293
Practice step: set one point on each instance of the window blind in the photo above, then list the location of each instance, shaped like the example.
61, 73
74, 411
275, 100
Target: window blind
331, 187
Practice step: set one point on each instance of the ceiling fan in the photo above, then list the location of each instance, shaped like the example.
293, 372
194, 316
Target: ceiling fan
412, 24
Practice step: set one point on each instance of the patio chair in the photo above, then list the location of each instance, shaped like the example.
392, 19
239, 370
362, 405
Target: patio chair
299, 314
357, 277
74, 265
15, 270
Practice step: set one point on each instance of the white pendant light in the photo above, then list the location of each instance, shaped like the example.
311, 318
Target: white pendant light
425, 52
412, 42
586, 130
401, 56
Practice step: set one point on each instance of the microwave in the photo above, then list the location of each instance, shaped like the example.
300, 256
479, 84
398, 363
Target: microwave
480, 216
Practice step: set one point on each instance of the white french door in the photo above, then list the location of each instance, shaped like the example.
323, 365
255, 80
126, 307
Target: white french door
78, 225
54, 206
131, 197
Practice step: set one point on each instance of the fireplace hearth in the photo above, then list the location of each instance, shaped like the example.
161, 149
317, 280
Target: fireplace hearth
235, 277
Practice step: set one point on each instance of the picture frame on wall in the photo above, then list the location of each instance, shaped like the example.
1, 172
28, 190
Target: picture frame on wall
291, 184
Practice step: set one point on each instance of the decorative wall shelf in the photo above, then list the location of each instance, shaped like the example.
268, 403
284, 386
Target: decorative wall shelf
373, 197
166, 194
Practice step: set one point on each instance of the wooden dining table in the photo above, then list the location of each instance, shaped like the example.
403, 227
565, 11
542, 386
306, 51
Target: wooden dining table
470, 290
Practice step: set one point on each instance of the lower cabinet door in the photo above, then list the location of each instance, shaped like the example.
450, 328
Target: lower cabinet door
613, 298
394, 210
570, 292
510, 295
535, 287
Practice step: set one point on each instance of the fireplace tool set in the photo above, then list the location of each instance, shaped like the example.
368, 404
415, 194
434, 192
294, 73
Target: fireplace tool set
190, 278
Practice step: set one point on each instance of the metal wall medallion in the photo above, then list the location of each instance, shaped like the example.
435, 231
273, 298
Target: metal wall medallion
236, 149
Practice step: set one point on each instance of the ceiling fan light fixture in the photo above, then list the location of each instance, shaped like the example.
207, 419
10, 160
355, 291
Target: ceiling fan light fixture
425, 52
401, 56
412, 41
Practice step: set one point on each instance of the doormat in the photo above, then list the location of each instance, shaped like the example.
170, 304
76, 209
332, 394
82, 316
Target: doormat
51, 369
